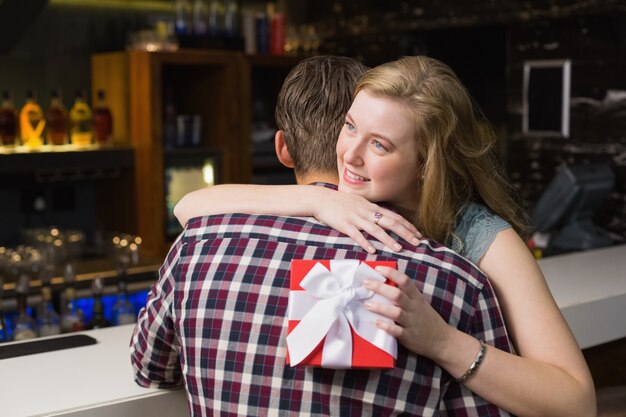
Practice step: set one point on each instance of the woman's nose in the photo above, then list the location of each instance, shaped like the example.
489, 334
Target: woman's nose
353, 153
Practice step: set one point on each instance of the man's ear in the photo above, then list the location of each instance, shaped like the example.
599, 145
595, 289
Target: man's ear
281, 149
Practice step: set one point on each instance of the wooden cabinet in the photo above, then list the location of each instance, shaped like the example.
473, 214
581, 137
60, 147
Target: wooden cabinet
212, 85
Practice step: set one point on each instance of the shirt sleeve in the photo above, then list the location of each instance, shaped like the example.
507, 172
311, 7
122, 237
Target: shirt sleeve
487, 325
475, 231
155, 345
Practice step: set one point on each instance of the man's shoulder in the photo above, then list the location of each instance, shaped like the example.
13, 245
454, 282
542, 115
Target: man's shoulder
434, 255
309, 231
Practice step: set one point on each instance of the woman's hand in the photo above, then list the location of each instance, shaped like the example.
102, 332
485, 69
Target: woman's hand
414, 322
350, 214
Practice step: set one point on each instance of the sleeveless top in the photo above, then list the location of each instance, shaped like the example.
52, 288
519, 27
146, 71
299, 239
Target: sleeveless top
475, 229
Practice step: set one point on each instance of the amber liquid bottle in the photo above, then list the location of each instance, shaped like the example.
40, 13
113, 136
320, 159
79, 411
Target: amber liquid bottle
102, 121
56, 121
32, 122
8, 122
81, 122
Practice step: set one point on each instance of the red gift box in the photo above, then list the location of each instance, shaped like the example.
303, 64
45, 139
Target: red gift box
364, 354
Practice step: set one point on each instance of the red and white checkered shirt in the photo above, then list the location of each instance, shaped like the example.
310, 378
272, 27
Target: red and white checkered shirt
216, 322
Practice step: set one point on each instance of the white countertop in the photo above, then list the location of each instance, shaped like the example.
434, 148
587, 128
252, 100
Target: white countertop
95, 380
590, 289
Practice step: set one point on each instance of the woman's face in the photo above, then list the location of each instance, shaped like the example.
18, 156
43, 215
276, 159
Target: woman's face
377, 152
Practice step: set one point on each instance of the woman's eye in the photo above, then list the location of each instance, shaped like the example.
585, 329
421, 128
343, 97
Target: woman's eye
379, 146
350, 127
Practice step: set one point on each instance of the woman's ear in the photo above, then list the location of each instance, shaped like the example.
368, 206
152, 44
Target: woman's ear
281, 149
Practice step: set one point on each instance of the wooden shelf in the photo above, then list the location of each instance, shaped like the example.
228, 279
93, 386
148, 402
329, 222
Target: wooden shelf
50, 160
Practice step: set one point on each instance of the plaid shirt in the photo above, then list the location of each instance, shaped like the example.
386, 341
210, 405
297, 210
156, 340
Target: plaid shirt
215, 321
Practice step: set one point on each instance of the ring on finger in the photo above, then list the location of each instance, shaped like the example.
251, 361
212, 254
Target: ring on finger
377, 216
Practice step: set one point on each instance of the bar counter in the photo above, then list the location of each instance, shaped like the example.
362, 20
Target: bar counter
97, 380
590, 289
87, 381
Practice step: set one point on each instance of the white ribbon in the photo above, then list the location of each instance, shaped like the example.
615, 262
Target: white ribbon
331, 303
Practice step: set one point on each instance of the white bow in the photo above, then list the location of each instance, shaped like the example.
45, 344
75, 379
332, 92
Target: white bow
331, 303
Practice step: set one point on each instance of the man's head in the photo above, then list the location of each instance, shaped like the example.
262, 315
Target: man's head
310, 112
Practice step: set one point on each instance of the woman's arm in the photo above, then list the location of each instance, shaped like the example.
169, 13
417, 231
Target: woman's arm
540, 333
348, 213
549, 378
280, 200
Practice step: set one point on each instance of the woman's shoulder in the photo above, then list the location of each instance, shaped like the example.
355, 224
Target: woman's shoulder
476, 229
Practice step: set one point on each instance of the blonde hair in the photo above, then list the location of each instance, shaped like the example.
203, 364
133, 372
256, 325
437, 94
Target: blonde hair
456, 148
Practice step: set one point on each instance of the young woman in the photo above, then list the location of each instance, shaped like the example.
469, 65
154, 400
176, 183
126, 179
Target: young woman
413, 139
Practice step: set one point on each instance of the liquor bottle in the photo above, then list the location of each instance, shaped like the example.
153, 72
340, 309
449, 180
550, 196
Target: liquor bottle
47, 319
8, 122
81, 122
98, 320
123, 311
231, 18
277, 33
24, 327
71, 316
4, 331
216, 17
262, 30
183, 21
200, 17
102, 120
32, 122
56, 121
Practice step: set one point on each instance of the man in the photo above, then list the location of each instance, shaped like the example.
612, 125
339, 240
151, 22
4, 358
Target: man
215, 320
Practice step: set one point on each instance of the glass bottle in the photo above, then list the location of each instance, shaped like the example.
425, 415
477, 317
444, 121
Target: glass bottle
24, 327
32, 122
71, 316
81, 122
231, 18
8, 122
200, 17
183, 20
47, 319
56, 121
123, 311
98, 320
216, 17
102, 120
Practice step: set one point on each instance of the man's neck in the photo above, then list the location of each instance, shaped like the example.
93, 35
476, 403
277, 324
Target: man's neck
330, 178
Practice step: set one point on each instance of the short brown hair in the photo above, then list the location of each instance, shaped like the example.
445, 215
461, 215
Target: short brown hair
311, 109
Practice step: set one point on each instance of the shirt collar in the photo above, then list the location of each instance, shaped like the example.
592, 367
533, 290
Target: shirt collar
325, 185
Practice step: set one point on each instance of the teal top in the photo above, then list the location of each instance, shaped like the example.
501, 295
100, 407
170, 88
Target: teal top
476, 229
